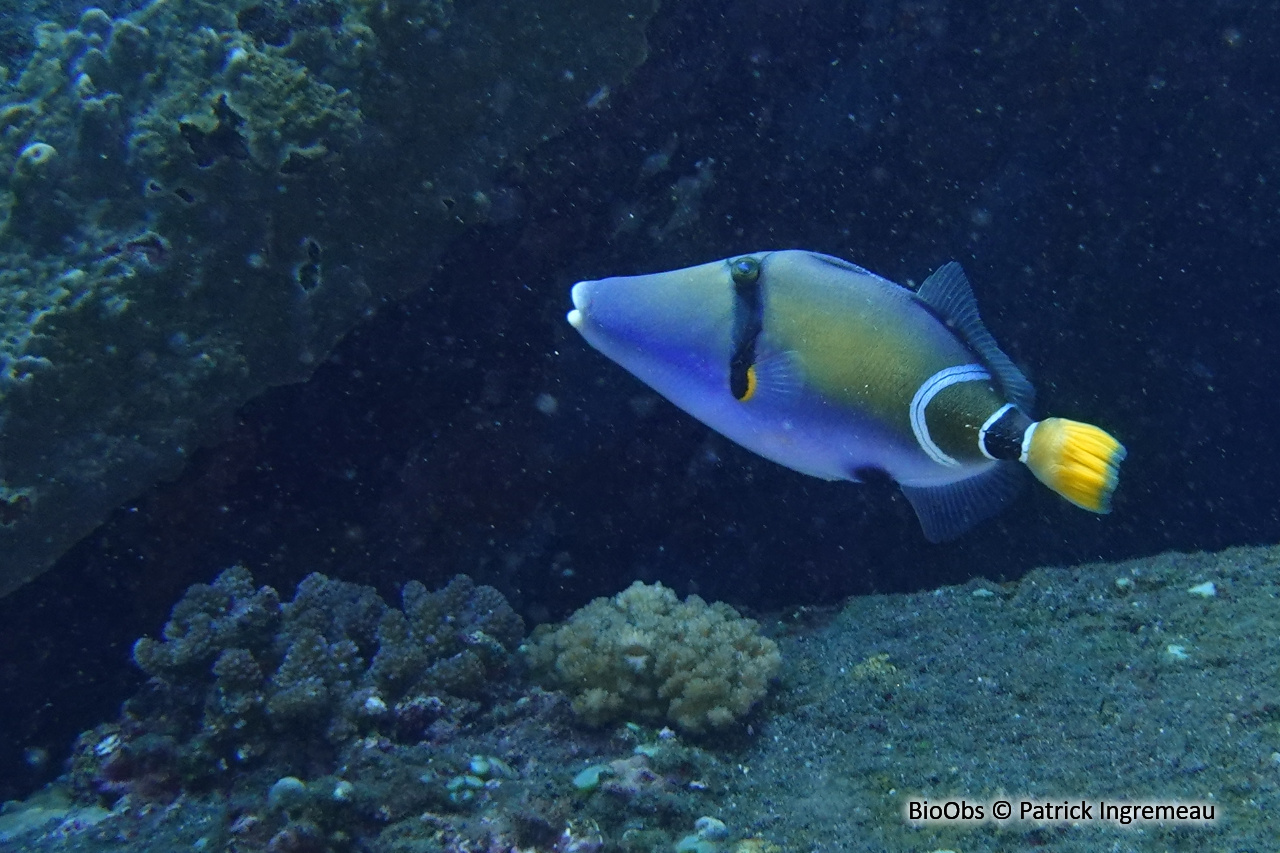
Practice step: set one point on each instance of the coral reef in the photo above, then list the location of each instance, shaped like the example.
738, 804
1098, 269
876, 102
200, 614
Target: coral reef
198, 199
502, 784
335, 722
240, 678
887, 699
645, 654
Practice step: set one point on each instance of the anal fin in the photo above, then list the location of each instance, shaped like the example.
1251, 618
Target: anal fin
947, 511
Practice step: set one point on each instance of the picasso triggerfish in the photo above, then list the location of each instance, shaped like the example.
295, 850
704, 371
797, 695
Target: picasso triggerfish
835, 372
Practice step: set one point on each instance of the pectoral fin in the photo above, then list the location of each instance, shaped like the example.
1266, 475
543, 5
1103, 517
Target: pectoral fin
778, 375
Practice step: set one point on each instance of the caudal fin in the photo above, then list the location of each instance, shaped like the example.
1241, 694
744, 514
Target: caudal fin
1078, 461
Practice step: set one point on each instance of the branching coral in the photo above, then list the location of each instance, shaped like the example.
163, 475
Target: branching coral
238, 675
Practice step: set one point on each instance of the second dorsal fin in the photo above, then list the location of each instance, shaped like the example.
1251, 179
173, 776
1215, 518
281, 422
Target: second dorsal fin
948, 293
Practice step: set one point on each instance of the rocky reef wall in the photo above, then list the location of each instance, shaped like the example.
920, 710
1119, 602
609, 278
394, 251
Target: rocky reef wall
198, 199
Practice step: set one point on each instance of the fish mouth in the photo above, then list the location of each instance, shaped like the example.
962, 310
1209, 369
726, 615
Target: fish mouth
581, 299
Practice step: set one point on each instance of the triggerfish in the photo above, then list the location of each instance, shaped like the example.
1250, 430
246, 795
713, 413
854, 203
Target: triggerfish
833, 371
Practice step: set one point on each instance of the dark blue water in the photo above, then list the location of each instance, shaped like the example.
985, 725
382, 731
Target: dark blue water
1105, 173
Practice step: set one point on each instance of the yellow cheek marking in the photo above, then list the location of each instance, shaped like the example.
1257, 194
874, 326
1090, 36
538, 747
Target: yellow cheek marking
751, 385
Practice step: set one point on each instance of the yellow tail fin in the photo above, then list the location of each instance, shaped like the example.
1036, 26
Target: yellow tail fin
1078, 461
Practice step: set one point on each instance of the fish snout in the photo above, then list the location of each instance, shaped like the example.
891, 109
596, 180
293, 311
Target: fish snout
581, 296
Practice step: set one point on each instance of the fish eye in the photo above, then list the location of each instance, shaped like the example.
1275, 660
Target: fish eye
745, 271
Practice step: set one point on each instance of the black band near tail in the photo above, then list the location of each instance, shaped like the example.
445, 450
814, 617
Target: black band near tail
748, 320
1003, 439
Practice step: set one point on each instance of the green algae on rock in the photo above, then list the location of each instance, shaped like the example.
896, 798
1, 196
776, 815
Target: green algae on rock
198, 199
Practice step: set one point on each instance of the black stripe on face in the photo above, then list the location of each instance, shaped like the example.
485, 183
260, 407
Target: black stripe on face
748, 320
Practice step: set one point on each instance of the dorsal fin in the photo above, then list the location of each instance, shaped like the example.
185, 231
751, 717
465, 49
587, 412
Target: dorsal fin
948, 293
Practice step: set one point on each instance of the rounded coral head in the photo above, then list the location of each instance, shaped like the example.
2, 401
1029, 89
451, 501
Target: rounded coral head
646, 655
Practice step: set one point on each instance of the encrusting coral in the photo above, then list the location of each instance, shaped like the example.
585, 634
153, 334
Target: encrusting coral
646, 654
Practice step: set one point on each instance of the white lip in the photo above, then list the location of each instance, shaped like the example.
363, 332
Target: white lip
580, 299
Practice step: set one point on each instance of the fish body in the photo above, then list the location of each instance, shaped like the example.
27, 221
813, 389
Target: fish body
833, 371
